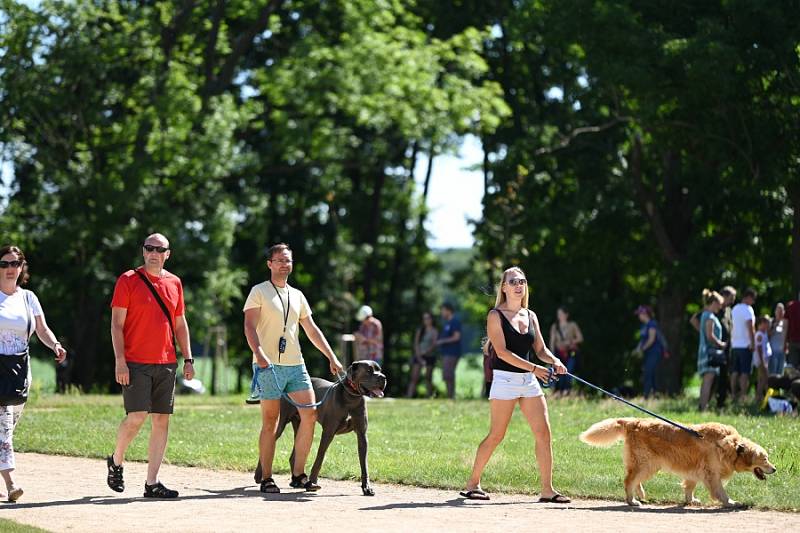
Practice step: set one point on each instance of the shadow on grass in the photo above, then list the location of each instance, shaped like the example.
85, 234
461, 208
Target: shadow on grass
239, 492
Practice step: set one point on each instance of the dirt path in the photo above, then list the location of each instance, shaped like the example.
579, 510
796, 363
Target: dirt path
70, 494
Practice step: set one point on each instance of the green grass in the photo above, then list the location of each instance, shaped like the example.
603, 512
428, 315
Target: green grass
9, 526
419, 442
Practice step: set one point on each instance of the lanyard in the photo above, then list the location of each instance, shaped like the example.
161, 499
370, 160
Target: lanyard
285, 309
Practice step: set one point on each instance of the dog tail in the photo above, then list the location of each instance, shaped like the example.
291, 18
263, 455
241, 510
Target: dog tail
606, 432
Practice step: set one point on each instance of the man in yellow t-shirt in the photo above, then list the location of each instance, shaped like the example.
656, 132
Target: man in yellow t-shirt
272, 313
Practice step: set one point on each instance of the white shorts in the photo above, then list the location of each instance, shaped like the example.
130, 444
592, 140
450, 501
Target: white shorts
512, 385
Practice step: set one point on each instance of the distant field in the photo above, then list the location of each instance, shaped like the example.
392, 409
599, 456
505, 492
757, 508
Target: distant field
418, 442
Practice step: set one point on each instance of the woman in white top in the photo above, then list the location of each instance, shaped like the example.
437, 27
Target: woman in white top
20, 315
777, 339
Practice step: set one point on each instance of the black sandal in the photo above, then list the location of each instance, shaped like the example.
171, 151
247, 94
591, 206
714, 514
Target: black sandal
302, 482
268, 486
159, 491
114, 480
555, 498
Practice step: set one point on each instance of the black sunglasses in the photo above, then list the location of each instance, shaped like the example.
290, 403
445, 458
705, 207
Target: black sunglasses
151, 248
16, 263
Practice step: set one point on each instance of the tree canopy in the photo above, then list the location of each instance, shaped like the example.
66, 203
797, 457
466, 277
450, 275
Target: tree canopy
635, 153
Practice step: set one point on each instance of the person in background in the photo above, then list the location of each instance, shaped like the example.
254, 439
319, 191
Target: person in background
651, 347
791, 347
565, 340
777, 341
721, 381
449, 343
742, 344
710, 335
369, 336
424, 355
20, 316
761, 356
726, 321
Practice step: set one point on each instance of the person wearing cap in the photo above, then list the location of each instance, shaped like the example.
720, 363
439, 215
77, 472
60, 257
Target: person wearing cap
650, 345
369, 336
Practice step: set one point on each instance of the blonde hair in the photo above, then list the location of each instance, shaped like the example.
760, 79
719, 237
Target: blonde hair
501, 296
710, 297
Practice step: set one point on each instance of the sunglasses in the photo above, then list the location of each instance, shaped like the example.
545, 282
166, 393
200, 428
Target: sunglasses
517, 281
151, 248
13, 264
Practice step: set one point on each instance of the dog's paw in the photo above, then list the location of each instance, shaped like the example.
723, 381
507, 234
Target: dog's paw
733, 504
368, 491
634, 503
693, 501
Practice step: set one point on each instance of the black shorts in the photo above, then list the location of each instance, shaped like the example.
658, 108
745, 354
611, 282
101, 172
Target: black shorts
428, 360
151, 389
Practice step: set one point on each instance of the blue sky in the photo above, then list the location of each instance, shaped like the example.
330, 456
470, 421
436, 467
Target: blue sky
455, 195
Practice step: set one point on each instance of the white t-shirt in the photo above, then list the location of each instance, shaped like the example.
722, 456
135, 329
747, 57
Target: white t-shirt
271, 319
13, 323
762, 339
740, 314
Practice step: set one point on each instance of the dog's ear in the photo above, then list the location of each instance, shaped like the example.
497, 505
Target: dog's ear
351, 369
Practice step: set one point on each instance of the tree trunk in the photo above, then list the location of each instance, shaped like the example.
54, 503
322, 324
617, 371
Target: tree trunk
794, 200
86, 366
670, 315
373, 230
670, 234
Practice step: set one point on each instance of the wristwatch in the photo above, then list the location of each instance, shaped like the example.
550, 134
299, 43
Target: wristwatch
189, 360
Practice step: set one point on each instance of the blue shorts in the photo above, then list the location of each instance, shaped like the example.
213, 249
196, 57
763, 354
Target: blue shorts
741, 361
273, 381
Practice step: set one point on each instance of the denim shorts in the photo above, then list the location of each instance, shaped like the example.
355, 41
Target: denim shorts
512, 385
273, 381
741, 361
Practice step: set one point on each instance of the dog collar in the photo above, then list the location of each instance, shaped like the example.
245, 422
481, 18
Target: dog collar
353, 386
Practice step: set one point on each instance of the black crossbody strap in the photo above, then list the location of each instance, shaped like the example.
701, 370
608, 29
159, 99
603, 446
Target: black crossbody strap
161, 303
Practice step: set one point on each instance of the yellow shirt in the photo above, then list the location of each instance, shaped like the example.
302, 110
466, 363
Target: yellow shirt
270, 323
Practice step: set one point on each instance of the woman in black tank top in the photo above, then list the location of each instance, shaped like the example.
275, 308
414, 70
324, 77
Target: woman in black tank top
514, 332
517, 343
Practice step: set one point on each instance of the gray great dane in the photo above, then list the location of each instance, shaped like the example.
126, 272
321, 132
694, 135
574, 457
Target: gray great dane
344, 410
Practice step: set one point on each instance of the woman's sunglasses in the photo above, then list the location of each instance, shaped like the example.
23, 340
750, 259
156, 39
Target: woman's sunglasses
517, 281
13, 264
151, 248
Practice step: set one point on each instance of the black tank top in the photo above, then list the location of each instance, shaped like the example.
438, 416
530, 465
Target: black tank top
518, 343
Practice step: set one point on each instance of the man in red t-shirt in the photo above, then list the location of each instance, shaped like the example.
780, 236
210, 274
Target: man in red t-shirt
792, 348
146, 363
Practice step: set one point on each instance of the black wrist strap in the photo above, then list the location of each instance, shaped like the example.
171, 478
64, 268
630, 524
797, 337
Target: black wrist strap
161, 304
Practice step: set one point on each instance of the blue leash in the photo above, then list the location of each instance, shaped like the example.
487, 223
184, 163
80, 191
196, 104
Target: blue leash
552, 378
255, 389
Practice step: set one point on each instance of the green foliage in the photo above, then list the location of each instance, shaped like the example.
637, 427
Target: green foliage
228, 128
641, 163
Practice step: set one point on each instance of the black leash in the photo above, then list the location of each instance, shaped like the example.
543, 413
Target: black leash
553, 377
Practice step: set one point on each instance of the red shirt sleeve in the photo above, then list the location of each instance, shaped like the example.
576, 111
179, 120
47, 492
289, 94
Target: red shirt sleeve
122, 293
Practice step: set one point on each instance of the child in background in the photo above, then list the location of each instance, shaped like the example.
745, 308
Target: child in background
761, 355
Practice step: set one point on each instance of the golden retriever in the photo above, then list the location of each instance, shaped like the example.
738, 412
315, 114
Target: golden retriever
652, 445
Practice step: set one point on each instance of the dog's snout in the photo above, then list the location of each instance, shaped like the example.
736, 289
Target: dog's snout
771, 470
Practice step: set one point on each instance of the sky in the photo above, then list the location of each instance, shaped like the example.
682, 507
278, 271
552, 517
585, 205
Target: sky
455, 194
